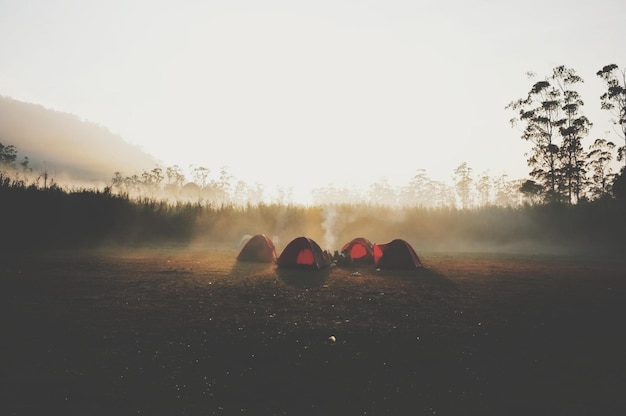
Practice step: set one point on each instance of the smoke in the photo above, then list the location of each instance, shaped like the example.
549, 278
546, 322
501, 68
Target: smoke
280, 224
329, 225
243, 240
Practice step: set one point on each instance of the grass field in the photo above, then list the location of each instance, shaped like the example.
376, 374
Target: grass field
167, 331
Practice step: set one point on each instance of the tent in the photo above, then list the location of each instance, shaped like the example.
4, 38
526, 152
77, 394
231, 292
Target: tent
258, 248
396, 254
360, 250
302, 252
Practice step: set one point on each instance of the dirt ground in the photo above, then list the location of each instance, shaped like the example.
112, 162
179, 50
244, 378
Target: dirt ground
194, 332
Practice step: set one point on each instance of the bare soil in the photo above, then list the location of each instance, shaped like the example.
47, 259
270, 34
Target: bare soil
194, 332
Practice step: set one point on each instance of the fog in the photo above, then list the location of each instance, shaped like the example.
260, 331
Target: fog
56, 217
65, 146
522, 230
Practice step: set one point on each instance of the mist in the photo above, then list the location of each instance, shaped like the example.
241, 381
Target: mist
84, 186
66, 146
54, 217
522, 230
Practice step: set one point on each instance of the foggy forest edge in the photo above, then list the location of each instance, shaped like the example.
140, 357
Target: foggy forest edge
572, 198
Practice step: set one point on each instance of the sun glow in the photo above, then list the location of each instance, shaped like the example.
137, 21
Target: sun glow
294, 96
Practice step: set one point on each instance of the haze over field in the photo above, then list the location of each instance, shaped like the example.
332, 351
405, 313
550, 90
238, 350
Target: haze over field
303, 95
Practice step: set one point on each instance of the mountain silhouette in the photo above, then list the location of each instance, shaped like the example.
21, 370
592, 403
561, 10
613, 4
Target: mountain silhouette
66, 146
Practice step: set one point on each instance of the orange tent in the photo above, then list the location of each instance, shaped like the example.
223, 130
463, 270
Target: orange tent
259, 248
396, 254
360, 250
303, 252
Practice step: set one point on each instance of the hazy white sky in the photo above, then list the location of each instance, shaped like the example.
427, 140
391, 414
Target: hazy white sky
303, 94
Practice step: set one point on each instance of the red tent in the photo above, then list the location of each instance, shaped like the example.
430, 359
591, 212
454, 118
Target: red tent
396, 254
360, 250
258, 248
303, 252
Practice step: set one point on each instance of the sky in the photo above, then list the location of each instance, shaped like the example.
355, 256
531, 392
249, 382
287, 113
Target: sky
300, 95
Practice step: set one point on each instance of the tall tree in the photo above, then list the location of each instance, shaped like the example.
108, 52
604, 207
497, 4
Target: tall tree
551, 113
463, 184
531, 191
381, 193
200, 175
483, 188
599, 166
117, 182
614, 100
25, 164
175, 177
619, 185
540, 112
419, 191
152, 179
8, 158
8, 155
507, 192
573, 128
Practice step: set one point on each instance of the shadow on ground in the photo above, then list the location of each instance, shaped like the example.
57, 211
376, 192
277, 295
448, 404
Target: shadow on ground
304, 279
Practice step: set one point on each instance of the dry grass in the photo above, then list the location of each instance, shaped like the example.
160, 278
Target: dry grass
186, 332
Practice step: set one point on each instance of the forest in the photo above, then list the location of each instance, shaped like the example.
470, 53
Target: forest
572, 199
52, 217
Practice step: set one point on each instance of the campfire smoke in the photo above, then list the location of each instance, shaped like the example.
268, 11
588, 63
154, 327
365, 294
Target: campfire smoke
329, 225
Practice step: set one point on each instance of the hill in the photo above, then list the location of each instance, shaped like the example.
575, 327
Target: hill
66, 146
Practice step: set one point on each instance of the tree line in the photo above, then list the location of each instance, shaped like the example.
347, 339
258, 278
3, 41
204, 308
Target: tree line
222, 188
550, 117
33, 217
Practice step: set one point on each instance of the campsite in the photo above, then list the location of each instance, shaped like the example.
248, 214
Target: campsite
387, 208
191, 330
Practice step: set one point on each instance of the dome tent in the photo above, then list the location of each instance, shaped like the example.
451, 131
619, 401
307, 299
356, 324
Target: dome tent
396, 254
258, 248
305, 253
359, 250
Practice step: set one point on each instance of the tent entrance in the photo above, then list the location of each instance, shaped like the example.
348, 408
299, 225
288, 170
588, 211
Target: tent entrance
358, 251
305, 256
